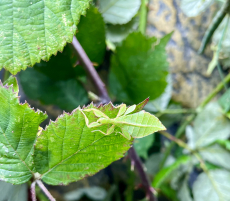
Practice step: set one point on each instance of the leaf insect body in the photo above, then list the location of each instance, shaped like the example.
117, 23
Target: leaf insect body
104, 119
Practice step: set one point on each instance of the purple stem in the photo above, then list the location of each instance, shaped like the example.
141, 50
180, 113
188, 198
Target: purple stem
33, 192
45, 190
100, 86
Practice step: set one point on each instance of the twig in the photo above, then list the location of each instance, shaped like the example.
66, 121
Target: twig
175, 111
138, 165
105, 99
87, 64
44, 189
33, 191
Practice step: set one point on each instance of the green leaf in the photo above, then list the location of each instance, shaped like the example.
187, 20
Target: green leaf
68, 150
91, 35
224, 101
164, 174
117, 33
225, 45
192, 8
224, 143
169, 193
184, 192
215, 186
32, 30
137, 125
12, 81
216, 155
139, 68
18, 131
13, 193
142, 145
210, 125
118, 11
67, 94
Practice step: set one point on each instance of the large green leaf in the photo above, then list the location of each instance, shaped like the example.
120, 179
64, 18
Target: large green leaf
118, 11
192, 8
68, 150
18, 131
139, 68
91, 35
32, 30
184, 193
210, 125
215, 186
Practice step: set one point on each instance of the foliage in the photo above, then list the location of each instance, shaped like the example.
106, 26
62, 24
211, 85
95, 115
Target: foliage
49, 28
89, 138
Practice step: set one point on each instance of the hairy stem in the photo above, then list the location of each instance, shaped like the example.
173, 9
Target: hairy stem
33, 192
85, 61
143, 16
45, 190
100, 86
191, 117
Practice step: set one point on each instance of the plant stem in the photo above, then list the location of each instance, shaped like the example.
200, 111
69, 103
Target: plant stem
215, 91
191, 117
143, 16
33, 191
100, 86
178, 134
44, 189
175, 111
85, 61
145, 182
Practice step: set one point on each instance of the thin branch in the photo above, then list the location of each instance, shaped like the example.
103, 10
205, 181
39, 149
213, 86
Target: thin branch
145, 182
100, 86
143, 16
87, 64
45, 190
33, 192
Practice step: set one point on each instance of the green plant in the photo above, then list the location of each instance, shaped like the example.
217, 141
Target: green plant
111, 44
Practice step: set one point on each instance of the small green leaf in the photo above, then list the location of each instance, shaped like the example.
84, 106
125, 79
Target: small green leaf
215, 186
91, 35
224, 101
118, 11
192, 8
117, 33
32, 30
18, 132
142, 145
12, 81
163, 175
216, 155
139, 68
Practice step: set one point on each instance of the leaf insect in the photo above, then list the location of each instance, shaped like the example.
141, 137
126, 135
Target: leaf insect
104, 119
